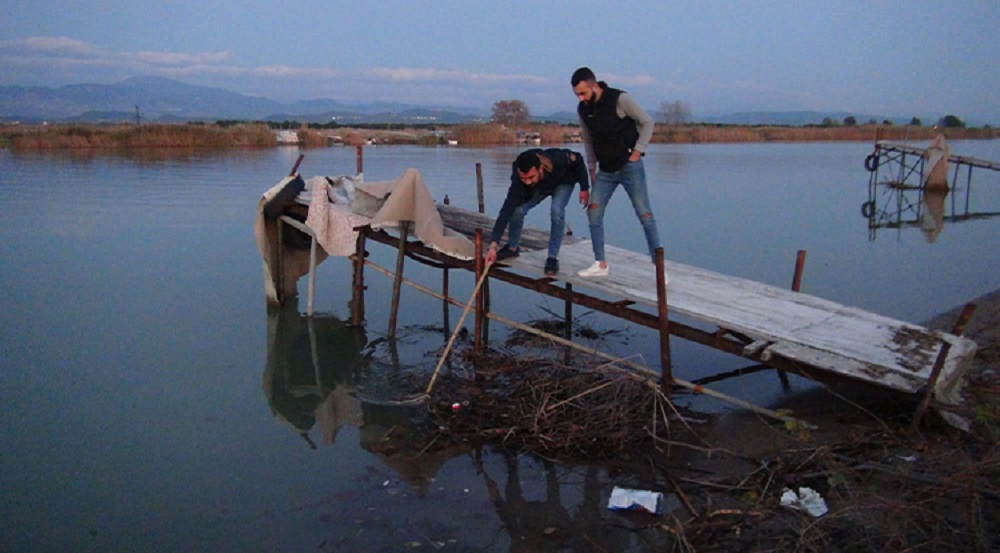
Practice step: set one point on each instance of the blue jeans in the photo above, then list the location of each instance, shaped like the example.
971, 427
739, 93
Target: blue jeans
560, 197
632, 178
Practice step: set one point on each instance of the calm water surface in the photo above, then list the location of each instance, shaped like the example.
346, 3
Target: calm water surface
151, 402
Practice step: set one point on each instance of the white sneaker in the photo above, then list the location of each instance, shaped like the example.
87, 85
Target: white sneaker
594, 270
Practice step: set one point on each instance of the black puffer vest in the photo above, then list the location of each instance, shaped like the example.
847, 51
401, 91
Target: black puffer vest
613, 137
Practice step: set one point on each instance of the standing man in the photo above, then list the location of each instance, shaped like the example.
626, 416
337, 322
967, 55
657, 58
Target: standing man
537, 174
616, 132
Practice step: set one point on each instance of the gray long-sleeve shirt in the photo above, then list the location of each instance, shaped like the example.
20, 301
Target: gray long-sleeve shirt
627, 107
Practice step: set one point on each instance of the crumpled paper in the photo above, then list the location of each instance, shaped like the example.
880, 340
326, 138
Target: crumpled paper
625, 499
807, 499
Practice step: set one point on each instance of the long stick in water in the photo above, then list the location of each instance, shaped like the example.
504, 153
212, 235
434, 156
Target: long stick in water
454, 333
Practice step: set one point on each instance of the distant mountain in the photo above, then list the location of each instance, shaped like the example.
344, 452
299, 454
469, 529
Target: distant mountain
165, 100
160, 99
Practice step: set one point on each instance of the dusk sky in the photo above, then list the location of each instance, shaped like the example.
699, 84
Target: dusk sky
913, 58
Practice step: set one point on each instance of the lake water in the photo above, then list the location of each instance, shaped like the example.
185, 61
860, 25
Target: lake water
151, 403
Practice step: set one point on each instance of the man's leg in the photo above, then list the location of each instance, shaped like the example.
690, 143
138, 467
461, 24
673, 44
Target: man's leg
515, 226
560, 197
600, 194
634, 182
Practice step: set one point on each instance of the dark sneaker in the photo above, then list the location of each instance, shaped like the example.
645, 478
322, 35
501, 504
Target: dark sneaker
507, 253
551, 266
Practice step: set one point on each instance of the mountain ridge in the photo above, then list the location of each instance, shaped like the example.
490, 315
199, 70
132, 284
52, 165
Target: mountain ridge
159, 99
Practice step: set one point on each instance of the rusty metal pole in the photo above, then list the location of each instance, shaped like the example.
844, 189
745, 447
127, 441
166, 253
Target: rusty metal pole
358, 295
404, 231
957, 330
800, 263
361, 159
568, 313
479, 187
478, 265
444, 304
666, 371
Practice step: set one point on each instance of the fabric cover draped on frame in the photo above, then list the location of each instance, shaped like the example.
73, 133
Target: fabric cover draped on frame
383, 204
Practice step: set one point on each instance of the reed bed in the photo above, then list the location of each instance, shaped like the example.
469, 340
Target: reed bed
541, 406
251, 135
54, 137
482, 135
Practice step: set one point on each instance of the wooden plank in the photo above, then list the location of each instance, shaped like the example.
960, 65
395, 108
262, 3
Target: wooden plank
804, 328
466, 222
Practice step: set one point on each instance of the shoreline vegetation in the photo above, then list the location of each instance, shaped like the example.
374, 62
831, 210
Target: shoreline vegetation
260, 135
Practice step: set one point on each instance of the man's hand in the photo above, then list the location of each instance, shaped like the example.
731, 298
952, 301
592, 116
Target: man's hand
491, 254
636, 156
584, 198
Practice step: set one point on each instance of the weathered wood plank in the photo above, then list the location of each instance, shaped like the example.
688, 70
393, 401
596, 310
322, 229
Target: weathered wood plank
804, 328
466, 222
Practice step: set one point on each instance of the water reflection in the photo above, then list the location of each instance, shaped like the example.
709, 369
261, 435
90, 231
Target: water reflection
932, 216
142, 155
899, 207
908, 188
316, 367
313, 367
548, 523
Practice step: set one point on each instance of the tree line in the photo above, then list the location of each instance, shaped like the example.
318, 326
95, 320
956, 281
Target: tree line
515, 113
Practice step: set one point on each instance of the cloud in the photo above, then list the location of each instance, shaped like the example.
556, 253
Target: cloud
55, 61
68, 54
426, 74
173, 59
628, 80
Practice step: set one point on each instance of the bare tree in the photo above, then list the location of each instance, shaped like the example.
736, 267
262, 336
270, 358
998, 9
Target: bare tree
512, 113
675, 113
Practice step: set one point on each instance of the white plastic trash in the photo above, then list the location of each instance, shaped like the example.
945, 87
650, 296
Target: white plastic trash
625, 499
806, 499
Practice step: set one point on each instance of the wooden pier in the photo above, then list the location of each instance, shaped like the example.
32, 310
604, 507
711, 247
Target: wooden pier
777, 327
771, 326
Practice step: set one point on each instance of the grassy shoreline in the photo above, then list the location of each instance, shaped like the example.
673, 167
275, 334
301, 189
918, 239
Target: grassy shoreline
251, 135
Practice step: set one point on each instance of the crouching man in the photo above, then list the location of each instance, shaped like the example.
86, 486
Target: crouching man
537, 174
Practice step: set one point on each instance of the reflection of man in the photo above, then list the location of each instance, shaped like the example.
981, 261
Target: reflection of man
616, 132
543, 524
537, 174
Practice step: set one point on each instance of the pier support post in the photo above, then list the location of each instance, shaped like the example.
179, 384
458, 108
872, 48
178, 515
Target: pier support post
957, 330
404, 231
279, 254
568, 313
666, 371
361, 159
800, 264
477, 345
445, 277
358, 289
312, 277
479, 187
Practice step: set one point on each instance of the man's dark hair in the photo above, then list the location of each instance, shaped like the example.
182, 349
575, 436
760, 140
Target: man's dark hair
582, 74
527, 161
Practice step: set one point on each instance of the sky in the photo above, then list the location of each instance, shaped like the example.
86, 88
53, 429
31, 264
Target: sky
902, 58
